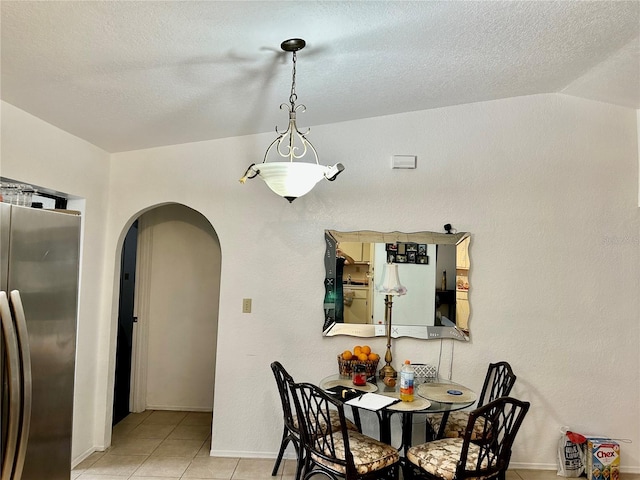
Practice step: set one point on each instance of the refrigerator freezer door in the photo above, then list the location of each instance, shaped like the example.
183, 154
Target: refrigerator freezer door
20, 323
43, 266
14, 395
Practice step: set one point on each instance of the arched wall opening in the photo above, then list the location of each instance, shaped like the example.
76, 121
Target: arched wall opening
177, 285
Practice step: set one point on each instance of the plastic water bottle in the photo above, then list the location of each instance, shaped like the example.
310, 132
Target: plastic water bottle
406, 382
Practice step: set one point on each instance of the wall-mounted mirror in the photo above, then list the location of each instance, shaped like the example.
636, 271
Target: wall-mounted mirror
434, 267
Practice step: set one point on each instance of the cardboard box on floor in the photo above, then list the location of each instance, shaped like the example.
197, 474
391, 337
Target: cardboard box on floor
602, 459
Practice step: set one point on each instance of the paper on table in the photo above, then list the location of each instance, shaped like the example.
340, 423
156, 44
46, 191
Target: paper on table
372, 401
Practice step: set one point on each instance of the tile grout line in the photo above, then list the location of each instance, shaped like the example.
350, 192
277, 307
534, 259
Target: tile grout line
190, 460
163, 439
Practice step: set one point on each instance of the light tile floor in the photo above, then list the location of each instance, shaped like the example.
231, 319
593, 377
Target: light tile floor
162, 445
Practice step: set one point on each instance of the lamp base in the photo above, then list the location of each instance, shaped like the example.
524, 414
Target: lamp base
388, 371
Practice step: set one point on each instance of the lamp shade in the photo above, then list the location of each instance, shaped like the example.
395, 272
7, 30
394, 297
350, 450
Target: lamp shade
391, 281
291, 179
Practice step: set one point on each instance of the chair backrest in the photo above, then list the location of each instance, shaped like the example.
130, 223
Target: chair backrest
499, 421
498, 382
284, 382
319, 435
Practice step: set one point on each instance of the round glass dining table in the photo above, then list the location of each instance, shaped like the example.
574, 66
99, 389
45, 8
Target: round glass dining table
431, 396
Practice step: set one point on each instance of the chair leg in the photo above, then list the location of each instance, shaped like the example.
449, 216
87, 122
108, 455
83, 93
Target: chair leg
356, 418
306, 465
430, 434
407, 471
300, 461
283, 445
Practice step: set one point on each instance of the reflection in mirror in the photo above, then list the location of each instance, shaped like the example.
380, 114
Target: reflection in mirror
434, 267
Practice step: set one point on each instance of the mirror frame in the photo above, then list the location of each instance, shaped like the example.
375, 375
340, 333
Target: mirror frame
427, 332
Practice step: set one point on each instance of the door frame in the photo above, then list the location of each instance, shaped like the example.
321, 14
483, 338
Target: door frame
142, 302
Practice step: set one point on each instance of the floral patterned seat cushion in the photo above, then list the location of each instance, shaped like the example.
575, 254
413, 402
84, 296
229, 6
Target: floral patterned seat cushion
335, 422
368, 453
456, 425
441, 457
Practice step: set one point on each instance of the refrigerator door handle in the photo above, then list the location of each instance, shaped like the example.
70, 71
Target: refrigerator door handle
13, 369
25, 360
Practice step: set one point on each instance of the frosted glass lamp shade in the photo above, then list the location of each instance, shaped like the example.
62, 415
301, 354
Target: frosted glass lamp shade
291, 179
391, 281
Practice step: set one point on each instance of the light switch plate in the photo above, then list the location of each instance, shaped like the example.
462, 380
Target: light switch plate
246, 305
404, 161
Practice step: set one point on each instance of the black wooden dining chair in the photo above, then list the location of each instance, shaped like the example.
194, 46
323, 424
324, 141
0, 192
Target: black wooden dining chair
341, 453
290, 433
466, 457
291, 430
498, 382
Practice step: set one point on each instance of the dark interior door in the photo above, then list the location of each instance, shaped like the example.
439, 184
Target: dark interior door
125, 325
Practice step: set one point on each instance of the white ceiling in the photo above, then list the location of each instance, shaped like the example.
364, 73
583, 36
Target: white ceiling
126, 75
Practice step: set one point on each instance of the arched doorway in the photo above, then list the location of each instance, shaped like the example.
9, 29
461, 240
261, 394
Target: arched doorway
176, 291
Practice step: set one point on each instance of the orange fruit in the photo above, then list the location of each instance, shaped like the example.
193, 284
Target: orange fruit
357, 350
373, 357
346, 355
363, 357
366, 349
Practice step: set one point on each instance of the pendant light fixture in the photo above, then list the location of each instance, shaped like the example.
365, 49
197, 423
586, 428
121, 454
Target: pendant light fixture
291, 178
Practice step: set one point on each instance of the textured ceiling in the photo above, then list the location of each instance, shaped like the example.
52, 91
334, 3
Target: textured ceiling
126, 75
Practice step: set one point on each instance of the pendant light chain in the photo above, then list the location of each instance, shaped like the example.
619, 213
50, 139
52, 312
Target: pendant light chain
293, 97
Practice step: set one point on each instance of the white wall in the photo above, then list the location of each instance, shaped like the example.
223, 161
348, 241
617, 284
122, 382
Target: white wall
38, 153
183, 309
546, 184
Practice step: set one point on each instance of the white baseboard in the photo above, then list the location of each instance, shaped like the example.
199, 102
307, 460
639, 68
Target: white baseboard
243, 454
553, 466
532, 466
630, 470
82, 457
292, 456
173, 408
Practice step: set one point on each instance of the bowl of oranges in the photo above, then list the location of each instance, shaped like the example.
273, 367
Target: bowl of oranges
360, 355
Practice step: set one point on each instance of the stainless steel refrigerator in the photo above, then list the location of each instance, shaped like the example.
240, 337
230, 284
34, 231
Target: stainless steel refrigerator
39, 255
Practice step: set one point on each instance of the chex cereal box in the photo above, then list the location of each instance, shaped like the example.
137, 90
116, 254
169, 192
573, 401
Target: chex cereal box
603, 459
